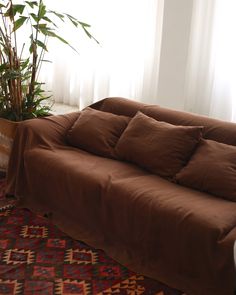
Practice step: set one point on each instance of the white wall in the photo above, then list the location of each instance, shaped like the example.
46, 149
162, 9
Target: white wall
174, 49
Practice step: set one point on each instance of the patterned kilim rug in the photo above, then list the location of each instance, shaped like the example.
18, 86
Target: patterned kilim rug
37, 258
5, 203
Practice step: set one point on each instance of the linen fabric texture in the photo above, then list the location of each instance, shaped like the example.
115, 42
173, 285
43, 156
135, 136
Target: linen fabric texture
159, 147
97, 132
212, 169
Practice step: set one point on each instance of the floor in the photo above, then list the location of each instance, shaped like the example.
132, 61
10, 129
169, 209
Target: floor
60, 108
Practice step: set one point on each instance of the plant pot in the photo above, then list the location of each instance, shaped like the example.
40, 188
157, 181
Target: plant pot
7, 133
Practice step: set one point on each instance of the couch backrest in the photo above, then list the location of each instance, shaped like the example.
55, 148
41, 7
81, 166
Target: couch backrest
217, 130
119, 106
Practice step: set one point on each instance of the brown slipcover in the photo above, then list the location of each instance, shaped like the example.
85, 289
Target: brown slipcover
97, 132
157, 146
178, 235
211, 169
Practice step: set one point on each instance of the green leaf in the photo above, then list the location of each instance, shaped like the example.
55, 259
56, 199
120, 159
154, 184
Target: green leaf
31, 47
26, 76
18, 8
41, 44
31, 37
42, 112
84, 24
45, 29
70, 16
18, 23
59, 15
40, 26
34, 115
12, 74
34, 16
24, 64
50, 21
32, 3
3, 67
52, 34
73, 22
42, 10
89, 35
38, 83
13, 10
38, 92
46, 60
77, 22
9, 12
49, 32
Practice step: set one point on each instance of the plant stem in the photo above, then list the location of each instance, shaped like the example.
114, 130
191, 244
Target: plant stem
35, 56
16, 81
41, 56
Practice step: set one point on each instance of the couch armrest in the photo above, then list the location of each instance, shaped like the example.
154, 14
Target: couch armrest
48, 132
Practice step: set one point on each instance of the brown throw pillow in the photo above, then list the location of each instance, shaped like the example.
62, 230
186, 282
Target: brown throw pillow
212, 169
97, 132
159, 147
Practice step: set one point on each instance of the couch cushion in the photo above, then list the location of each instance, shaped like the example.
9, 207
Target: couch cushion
97, 132
159, 147
212, 169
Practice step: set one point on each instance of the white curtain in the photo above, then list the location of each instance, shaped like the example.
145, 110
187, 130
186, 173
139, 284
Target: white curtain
211, 70
126, 61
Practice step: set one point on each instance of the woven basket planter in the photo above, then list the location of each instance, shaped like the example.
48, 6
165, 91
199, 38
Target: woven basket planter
7, 133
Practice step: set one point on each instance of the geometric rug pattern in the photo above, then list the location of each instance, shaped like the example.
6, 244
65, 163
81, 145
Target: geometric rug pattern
37, 258
4, 202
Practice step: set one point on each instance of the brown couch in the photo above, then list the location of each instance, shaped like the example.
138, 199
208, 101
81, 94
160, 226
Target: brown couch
157, 195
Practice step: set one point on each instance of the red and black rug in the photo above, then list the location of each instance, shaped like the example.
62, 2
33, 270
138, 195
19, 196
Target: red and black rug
37, 258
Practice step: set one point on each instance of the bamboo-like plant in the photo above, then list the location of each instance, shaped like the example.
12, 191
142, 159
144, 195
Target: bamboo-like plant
21, 95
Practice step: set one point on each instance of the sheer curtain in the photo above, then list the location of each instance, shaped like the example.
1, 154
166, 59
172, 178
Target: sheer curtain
211, 70
126, 61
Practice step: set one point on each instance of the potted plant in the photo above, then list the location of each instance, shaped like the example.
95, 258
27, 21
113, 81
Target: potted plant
21, 94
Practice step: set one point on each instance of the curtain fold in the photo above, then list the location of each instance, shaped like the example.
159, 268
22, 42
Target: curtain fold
211, 74
125, 63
